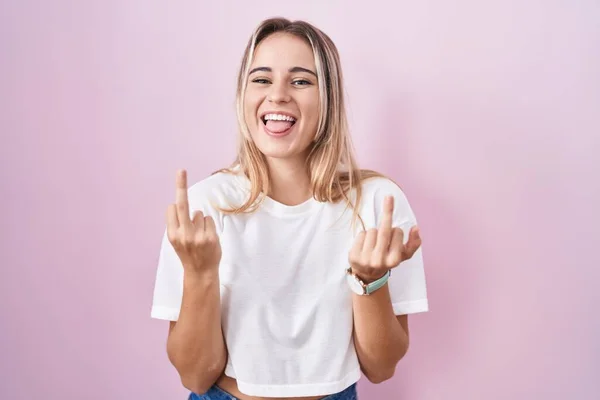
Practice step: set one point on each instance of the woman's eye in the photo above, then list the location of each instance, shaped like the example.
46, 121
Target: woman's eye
298, 82
301, 82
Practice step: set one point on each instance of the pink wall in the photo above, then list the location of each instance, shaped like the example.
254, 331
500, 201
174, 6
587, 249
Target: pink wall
486, 112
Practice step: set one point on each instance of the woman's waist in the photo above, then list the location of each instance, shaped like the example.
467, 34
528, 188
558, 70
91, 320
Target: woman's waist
229, 386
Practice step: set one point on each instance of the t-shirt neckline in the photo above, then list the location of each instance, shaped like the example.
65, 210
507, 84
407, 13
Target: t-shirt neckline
275, 207
278, 208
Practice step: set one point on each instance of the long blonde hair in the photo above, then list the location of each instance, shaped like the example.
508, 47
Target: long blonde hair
331, 162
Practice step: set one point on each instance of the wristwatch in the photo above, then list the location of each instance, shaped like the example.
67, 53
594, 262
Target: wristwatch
363, 289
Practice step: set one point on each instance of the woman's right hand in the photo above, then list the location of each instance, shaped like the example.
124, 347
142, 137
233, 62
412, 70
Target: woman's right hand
195, 240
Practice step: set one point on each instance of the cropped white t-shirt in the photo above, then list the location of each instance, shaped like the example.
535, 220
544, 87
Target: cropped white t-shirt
286, 305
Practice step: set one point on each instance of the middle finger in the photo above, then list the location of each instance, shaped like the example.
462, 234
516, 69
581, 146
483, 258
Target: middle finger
181, 198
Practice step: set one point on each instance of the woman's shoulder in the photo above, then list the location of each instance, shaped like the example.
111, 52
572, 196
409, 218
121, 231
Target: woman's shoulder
375, 184
218, 180
218, 189
375, 188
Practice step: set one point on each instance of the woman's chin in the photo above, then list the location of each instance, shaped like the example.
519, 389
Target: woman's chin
278, 150
279, 147
277, 153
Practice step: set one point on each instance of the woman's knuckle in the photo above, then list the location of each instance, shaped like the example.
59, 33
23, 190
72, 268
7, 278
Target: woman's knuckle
172, 239
199, 239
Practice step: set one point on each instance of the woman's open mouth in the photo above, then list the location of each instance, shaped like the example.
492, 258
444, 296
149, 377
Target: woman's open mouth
278, 124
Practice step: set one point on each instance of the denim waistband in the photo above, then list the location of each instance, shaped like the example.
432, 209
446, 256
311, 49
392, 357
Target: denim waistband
216, 393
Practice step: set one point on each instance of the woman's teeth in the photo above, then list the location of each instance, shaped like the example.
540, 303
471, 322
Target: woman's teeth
278, 117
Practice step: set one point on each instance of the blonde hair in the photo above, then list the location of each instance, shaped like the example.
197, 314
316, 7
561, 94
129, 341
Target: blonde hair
331, 162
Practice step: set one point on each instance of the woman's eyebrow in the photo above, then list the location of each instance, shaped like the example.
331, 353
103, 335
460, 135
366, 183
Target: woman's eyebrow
293, 69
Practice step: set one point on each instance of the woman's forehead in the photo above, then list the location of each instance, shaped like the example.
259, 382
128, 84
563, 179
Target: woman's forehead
283, 51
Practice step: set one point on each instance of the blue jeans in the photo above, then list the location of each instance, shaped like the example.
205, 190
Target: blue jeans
216, 393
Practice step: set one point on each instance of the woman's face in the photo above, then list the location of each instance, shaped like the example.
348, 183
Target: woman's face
281, 104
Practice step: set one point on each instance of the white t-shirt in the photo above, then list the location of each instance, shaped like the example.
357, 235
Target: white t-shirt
286, 305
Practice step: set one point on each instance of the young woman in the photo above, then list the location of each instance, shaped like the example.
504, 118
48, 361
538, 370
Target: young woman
276, 272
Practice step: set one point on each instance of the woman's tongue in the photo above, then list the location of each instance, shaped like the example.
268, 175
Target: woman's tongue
278, 126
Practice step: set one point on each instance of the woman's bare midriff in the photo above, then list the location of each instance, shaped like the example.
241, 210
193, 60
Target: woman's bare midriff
229, 385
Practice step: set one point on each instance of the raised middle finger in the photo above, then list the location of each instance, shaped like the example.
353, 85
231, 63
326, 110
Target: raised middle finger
181, 198
384, 233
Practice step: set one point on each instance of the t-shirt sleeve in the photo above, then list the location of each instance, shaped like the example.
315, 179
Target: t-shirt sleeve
168, 287
407, 283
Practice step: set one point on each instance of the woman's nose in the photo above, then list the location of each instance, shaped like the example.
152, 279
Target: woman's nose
278, 93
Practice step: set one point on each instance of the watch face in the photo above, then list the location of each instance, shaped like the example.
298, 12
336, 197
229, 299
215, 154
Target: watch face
355, 286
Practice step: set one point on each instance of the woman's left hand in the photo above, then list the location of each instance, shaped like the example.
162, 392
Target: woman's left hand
378, 250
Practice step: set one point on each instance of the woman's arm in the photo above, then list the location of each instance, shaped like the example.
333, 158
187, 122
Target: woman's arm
381, 339
195, 345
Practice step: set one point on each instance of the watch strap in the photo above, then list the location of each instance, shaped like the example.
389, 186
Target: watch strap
375, 285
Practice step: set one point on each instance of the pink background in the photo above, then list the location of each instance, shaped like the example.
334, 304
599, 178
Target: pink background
486, 112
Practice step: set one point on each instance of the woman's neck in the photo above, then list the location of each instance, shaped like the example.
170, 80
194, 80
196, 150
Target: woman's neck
289, 182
